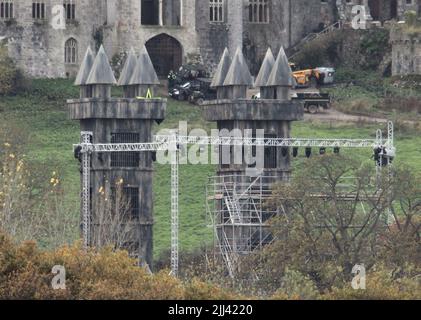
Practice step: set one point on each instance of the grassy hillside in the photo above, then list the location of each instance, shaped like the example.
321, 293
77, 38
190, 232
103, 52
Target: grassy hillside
38, 118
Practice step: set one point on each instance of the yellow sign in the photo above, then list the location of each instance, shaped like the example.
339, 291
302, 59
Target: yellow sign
148, 95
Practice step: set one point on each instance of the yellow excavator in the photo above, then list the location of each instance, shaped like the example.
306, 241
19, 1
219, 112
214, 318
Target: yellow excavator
306, 78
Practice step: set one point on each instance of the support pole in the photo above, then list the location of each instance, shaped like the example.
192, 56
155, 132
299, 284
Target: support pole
174, 205
391, 149
86, 143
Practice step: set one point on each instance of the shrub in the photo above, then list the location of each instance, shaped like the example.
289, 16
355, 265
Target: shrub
380, 285
25, 273
12, 79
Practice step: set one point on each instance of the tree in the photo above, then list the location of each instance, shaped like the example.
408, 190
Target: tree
331, 222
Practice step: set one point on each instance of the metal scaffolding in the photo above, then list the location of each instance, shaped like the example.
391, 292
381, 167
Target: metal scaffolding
236, 208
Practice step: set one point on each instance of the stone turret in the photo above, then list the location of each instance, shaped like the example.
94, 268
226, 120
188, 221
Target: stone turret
238, 78
263, 76
221, 74
280, 80
83, 74
120, 120
245, 172
127, 74
144, 77
273, 113
101, 77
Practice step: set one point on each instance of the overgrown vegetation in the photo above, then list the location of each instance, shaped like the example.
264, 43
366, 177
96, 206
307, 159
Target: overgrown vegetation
363, 49
329, 224
26, 273
12, 79
368, 93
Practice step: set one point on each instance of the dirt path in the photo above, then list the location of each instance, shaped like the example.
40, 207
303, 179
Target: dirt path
334, 115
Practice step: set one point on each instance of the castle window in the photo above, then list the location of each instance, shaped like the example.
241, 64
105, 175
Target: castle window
69, 9
6, 9
125, 159
258, 11
38, 10
216, 8
70, 51
150, 12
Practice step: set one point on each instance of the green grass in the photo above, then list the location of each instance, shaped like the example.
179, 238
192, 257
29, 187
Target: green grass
40, 115
373, 95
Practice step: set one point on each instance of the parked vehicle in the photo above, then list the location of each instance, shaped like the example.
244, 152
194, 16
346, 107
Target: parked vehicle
188, 72
312, 77
328, 75
202, 91
313, 101
182, 92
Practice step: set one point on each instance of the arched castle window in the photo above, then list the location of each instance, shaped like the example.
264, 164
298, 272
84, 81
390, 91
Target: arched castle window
259, 11
70, 51
216, 8
38, 10
69, 9
6, 9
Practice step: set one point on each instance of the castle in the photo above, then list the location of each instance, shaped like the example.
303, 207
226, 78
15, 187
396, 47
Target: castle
172, 30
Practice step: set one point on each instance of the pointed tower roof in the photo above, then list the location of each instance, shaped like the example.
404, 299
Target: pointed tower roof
222, 70
101, 72
128, 69
85, 68
281, 74
265, 70
238, 73
144, 72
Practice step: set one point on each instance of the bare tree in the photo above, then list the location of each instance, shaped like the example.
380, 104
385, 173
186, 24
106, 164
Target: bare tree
113, 221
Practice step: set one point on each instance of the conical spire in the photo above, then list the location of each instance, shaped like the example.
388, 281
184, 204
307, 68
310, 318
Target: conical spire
101, 72
85, 68
238, 73
281, 74
128, 69
265, 70
144, 72
222, 70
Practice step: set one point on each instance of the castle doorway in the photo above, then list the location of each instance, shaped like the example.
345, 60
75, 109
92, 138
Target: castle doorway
166, 54
374, 6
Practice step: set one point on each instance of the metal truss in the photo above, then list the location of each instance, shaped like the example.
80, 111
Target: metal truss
171, 143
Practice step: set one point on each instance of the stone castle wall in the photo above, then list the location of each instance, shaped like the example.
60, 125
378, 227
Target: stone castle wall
406, 53
39, 49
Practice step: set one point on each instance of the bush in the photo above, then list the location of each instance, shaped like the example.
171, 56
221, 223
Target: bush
380, 285
25, 273
12, 79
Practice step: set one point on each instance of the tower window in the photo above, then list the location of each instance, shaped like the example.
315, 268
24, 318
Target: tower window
258, 11
271, 157
70, 51
69, 9
6, 9
216, 10
38, 10
125, 159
